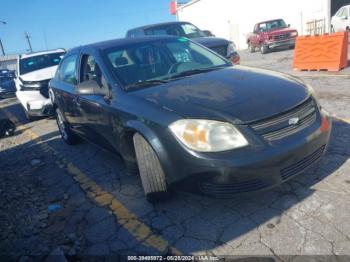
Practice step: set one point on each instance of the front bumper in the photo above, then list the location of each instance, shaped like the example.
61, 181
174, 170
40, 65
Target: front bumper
259, 166
35, 103
284, 43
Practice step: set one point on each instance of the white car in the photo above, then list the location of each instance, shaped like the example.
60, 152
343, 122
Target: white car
341, 20
34, 71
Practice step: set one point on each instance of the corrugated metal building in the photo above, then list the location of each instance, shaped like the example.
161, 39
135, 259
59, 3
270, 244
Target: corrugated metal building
234, 20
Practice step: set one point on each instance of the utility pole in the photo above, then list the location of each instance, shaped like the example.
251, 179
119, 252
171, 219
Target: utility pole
2, 48
1, 45
28, 40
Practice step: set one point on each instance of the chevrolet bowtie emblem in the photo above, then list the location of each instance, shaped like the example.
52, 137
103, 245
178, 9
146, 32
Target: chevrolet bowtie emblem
293, 121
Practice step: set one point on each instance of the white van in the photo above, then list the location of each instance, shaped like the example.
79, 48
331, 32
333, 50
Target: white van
34, 71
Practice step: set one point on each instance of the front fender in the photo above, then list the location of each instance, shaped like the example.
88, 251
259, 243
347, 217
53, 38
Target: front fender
152, 138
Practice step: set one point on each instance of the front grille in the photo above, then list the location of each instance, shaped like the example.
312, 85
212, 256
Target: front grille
300, 166
221, 50
282, 37
278, 127
222, 190
41, 86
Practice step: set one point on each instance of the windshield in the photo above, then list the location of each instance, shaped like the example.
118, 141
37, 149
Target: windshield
272, 25
33, 63
161, 60
179, 29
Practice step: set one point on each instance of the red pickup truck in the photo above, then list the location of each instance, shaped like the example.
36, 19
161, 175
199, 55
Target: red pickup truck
271, 34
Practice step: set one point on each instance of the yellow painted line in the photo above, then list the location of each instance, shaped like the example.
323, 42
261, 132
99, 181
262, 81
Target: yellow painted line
125, 217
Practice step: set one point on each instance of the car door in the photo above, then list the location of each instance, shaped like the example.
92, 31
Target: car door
94, 108
63, 89
254, 37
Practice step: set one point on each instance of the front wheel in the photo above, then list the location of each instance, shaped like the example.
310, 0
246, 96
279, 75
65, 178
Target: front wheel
151, 172
263, 49
66, 134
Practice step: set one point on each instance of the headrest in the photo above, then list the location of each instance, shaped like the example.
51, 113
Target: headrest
119, 61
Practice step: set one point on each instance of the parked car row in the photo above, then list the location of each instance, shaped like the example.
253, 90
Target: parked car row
179, 110
181, 114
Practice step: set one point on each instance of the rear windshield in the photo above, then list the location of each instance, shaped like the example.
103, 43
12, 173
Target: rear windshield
272, 25
161, 60
180, 29
30, 64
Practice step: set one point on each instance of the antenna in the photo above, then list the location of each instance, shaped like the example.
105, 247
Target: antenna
28, 40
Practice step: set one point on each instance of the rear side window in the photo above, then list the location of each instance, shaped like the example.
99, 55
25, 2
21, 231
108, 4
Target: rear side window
135, 33
67, 71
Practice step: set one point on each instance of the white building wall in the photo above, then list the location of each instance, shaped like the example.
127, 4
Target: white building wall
234, 20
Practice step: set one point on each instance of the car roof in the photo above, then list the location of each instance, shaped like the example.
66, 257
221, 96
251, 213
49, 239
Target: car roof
42, 53
159, 24
122, 42
270, 20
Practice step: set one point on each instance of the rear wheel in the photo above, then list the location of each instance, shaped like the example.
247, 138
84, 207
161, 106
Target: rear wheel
66, 134
251, 48
151, 172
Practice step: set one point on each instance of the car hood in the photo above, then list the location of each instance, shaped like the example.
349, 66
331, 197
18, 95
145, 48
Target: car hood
211, 41
236, 94
39, 75
281, 31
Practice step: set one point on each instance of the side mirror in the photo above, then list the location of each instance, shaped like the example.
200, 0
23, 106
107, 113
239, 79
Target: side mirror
288, 25
90, 87
208, 33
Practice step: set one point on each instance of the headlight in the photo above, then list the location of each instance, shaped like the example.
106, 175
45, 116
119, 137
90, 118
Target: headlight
294, 34
231, 48
207, 135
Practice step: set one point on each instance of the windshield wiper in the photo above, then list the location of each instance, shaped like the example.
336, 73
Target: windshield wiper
150, 82
194, 72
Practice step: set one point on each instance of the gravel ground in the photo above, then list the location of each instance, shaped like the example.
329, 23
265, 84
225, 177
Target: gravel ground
63, 202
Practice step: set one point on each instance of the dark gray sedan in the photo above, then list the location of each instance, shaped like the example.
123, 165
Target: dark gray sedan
179, 113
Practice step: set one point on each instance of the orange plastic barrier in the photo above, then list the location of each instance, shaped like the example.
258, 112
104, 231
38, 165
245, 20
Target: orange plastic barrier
324, 52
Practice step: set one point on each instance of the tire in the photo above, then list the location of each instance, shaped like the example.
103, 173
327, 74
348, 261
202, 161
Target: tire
251, 48
264, 49
29, 117
66, 134
151, 172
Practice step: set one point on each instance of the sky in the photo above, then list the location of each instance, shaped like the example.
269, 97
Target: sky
69, 23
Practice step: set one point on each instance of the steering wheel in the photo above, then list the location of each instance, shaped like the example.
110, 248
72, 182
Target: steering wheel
174, 67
